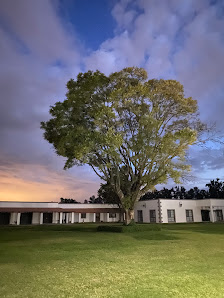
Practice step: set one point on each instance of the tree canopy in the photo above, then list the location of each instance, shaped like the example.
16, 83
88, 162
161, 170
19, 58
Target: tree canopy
124, 125
68, 201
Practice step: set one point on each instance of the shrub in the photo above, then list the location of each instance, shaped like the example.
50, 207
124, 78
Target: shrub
130, 228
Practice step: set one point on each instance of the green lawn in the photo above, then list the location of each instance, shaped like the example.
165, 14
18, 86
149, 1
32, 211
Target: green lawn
180, 260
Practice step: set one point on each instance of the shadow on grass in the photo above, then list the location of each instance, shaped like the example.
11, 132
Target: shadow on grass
141, 232
205, 228
162, 232
155, 236
31, 232
138, 232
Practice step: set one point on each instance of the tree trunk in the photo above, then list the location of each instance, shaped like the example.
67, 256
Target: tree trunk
129, 216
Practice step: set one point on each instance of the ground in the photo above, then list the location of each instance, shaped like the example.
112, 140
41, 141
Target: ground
175, 260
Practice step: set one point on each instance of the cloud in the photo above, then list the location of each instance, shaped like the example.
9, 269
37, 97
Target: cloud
39, 52
176, 40
38, 56
35, 182
124, 16
37, 26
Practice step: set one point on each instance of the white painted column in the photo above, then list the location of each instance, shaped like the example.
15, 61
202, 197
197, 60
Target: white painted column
18, 218
79, 219
13, 218
73, 217
94, 217
212, 218
107, 218
60, 218
55, 217
67, 217
41, 218
54, 220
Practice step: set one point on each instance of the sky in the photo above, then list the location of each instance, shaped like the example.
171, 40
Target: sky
45, 43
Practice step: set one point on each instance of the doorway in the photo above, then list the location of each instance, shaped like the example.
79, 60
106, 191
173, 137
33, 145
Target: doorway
4, 218
47, 218
26, 218
140, 216
205, 216
97, 217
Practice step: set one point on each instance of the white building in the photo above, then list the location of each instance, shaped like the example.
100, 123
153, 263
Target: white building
173, 210
51, 212
152, 211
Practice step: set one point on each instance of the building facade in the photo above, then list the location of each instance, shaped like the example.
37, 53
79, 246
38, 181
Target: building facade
151, 211
19, 213
179, 211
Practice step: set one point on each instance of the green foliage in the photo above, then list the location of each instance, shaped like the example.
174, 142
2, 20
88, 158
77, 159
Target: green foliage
95, 200
215, 190
132, 223
133, 132
107, 194
131, 228
68, 201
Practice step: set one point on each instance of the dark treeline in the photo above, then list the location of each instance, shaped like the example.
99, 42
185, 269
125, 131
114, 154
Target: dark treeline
215, 190
106, 195
68, 201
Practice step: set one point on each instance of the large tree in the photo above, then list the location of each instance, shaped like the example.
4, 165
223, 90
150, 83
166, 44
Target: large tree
124, 125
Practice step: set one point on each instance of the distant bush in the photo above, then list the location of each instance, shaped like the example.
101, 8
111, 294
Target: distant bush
129, 228
114, 229
141, 228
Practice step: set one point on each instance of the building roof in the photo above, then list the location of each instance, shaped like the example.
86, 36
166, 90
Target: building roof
75, 210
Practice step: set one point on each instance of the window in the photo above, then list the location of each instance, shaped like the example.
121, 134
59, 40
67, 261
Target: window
219, 216
152, 215
189, 216
112, 215
83, 215
171, 215
140, 216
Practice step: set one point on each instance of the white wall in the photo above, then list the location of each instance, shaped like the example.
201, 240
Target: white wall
87, 219
28, 204
180, 207
55, 218
36, 218
13, 218
115, 219
146, 206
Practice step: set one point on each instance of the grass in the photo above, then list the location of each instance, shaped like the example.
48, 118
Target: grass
175, 260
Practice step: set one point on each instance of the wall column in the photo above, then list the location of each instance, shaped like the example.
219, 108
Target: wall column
41, 218
54, 219
73, 217
94, 217
79, 219
60, 218
107, 217
67, 217
13, 218
18, 218
212, 218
